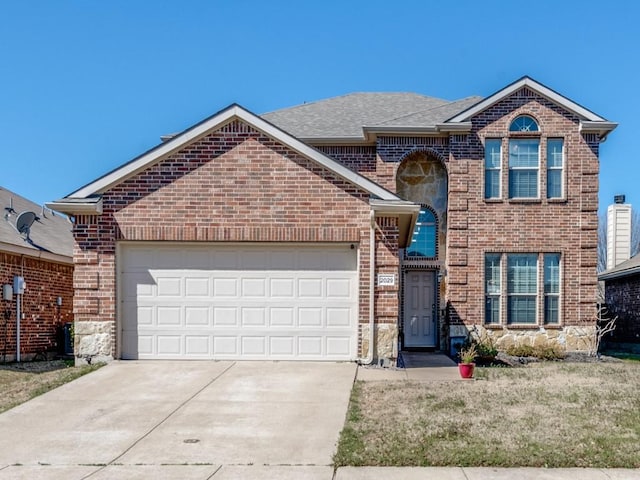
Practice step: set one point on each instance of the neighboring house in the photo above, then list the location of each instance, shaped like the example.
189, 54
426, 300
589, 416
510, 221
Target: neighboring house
326, 229
42, 254
622, 298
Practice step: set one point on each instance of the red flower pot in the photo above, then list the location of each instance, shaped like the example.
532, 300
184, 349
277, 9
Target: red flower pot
466, 369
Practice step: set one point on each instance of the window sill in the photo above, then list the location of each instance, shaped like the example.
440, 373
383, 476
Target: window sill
521, 326
557, 200
525, 200
493, 200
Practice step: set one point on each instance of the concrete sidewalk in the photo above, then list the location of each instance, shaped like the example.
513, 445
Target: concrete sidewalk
418, 367
311, 472
456, 473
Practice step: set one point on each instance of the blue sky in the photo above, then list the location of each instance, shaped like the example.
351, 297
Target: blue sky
87, 85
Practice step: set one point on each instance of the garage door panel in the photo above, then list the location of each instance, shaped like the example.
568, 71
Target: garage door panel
339, 317
225, 287
169, 316
253, 317
310, 287
281, 316
225, 316
169, 344
282, 346
226, 346
197, 316
253, 346
282, 287
310, 346
198, 345
235, 302
197, 287
310, 317
253, 287
337, 346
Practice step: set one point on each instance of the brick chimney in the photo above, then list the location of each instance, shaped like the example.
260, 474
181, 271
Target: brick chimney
618, 232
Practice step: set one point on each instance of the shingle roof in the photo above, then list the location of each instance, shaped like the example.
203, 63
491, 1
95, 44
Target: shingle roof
49, 233
344, 116
625, 269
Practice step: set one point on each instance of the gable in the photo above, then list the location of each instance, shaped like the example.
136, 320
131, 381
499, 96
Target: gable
589, 121
236, 176
87, 199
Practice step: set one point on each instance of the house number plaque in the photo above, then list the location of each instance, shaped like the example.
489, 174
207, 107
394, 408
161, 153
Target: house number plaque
386, 279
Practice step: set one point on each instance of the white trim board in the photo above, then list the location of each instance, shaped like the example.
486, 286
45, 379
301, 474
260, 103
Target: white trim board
214, 122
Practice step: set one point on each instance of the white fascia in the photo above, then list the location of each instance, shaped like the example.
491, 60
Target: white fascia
93, 207
535, 86
34, 253
212, 123
601, 128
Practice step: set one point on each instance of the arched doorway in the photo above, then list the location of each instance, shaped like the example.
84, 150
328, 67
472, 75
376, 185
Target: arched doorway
422, 178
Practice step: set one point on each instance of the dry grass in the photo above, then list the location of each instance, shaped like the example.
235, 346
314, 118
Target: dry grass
547, 414
20, 382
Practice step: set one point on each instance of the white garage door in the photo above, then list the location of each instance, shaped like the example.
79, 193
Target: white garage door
238, 302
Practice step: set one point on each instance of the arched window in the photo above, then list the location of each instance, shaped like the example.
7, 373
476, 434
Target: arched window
423, 242
524, 123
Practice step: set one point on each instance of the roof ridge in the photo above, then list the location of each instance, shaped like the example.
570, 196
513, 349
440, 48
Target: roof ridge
443, 105
315, 102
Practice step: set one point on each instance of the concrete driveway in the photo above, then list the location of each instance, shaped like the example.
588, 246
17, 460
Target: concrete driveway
128, 419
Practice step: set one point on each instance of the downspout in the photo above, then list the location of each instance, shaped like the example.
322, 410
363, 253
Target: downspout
368, 360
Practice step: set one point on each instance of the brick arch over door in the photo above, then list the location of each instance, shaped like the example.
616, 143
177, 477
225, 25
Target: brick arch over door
422, 178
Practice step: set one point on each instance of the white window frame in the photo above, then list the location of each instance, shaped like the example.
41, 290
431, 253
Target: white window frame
557, 295
554, 168
540, 295
536, 169
493, 169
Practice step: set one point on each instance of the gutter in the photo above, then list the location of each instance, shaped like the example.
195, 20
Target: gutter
33, 253
368, 360
629, 272
77, 206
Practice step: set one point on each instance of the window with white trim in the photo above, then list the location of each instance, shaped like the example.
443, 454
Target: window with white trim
555, 167
524, 164
522, 296
492, 167
522, 288
524, 123
551, 288
493, 287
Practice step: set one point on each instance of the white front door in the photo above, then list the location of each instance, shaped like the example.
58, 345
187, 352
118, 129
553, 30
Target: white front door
420, 326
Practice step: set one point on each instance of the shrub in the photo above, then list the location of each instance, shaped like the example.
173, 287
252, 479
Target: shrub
543, 352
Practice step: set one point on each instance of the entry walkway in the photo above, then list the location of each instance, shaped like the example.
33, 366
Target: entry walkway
418, 366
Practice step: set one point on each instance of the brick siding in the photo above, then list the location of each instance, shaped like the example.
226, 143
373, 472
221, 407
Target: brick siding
45, 282
622, 296
233, 185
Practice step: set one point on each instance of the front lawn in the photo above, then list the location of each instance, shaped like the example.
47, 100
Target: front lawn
20, 382
549, 414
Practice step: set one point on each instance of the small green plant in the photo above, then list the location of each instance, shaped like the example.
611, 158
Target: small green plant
485, 345
468, 353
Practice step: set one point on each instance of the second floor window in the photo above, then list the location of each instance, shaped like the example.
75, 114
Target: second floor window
524, 165
555, 166
492, 167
